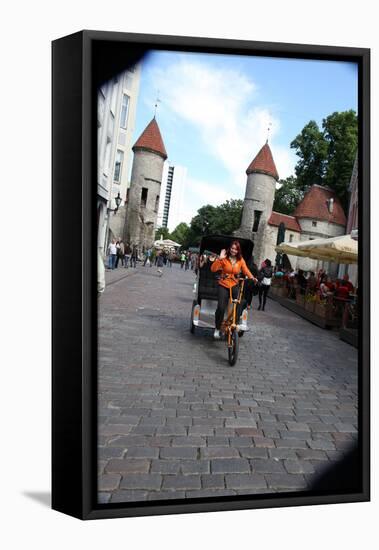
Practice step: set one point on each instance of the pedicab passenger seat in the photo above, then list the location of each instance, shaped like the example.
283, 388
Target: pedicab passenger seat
208, 285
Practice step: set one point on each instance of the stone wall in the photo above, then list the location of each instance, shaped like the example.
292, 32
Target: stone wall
259, 195
141, 220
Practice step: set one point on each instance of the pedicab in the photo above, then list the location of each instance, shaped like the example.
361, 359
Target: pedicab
206, 289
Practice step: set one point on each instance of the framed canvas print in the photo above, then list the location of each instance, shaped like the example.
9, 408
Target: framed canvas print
210, 274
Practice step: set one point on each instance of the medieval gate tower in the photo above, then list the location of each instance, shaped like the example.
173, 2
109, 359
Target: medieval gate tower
145, 185
259, 200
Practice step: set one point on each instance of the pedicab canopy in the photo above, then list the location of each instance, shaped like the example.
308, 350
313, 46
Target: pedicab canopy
215, 243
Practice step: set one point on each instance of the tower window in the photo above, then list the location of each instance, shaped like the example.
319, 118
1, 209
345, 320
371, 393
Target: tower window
291, 238
157, 203
314, 224
257, 217
144, 196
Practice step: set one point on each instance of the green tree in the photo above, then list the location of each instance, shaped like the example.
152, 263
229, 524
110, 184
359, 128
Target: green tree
341, 136
288, 196
222, 219
326, 157
228, 217
162, 231
311, 148
180, 234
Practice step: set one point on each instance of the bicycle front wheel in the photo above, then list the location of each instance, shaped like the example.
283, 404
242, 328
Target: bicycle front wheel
233, 349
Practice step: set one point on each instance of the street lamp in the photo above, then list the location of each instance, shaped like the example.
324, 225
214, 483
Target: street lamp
118, 201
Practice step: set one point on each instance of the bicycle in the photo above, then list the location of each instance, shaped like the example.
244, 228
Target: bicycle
230, 327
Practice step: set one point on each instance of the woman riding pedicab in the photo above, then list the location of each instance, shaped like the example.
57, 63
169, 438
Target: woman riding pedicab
230, 264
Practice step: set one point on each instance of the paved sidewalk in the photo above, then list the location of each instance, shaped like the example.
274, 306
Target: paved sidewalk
176, 421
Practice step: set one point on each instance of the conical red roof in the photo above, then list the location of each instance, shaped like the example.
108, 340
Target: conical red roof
264, 163
315, 205
151, 140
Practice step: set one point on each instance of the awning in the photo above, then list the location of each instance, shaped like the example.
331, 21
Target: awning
342, 250
291, 249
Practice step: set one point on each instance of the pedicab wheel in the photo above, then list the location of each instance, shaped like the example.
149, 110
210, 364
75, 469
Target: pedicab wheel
233, 349
192, 326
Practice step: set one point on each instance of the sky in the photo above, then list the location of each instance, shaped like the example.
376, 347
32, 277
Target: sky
215, 110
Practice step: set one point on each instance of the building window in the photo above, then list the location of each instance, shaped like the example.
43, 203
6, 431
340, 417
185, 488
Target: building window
157, 203
107, 158
118, 166
257, 217
144, 196
291, 238
314, 224
124, 111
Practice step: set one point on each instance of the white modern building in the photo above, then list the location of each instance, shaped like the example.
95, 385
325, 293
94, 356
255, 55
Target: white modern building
116, 114
172, 209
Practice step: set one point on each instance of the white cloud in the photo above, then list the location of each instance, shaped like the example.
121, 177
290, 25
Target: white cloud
222, 105
196, 194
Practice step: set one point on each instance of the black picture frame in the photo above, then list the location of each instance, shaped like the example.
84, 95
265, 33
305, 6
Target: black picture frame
79, 62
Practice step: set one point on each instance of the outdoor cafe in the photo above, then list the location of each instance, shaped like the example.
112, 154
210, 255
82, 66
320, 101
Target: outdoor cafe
326, 301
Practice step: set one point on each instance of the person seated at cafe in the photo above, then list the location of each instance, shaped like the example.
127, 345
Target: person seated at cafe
320, 274
348, 283
301, 281
342, 290
324, 288
311, 282
279, 273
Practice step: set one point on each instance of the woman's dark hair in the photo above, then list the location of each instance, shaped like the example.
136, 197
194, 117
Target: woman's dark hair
238, 247
268, 263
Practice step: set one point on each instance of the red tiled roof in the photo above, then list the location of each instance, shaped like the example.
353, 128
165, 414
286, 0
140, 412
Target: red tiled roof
151, 140
314, 205
289, 221
263, 163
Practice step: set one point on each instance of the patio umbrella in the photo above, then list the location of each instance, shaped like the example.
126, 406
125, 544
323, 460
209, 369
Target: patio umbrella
342, 250
291, 249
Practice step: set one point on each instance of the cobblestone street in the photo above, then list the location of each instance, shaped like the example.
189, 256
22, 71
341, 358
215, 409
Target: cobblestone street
176, 421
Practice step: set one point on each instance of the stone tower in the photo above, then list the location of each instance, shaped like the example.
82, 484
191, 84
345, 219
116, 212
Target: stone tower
259, 199
145, 185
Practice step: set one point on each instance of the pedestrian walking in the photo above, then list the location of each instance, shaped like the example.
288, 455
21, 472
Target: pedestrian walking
160, 263
147, 257
120, 252
134, 256
169, 259
265, 276
182, 260
112, 252
251, 288
187, 261
193, 261
128, 253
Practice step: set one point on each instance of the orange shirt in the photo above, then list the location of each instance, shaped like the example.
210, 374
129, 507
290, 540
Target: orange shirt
230, 270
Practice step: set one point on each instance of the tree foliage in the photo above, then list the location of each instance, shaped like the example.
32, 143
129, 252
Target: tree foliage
288, 196
326, 157
162, 231
341, 135
311, 148
180, 234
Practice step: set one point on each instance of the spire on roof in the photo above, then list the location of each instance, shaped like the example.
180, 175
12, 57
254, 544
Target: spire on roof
263, 163
151, 140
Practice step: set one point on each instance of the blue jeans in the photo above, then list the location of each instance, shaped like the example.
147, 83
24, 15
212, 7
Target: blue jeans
112, 261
